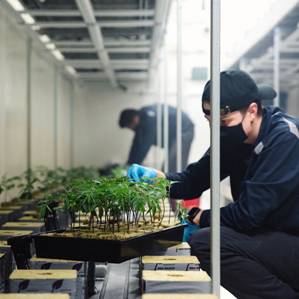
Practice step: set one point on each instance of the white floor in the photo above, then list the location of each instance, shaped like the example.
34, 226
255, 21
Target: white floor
224, 294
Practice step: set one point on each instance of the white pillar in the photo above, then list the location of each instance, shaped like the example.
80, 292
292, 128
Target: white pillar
165, 112
72, 111
179, 88
215, 146
56, 75
28, 99
276, 64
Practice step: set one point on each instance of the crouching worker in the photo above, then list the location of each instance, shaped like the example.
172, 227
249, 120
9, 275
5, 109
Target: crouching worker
260, 228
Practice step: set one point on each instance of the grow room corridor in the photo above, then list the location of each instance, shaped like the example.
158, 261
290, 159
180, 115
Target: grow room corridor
149, 149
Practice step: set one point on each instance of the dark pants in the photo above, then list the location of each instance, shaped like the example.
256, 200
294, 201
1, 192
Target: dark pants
187, 138
262, 264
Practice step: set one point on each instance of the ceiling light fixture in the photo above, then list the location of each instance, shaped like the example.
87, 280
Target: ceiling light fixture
27, 18
71, 70
35, 27
44, 38
50, 46
57, 54
16, 5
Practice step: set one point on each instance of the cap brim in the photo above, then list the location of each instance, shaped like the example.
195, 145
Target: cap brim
266, 92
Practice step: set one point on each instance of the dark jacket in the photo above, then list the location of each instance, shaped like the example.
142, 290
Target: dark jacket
264, 178
146, 132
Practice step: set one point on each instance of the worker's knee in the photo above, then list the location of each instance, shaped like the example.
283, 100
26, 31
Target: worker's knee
200, 242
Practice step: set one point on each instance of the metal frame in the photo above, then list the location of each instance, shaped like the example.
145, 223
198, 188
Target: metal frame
273, 58
165, 110
96, 36
141, 18
72, 122
276, 65
56, 77
28, 100
161, 16
109, 50
97, 13
215, 146
119, 62
124, 76
104, 24
179, 89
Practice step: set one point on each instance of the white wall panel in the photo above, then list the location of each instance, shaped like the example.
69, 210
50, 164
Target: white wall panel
42, 103
97, 138
63, 122
13, 102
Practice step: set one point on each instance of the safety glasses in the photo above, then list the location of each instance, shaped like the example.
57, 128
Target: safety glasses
223, 111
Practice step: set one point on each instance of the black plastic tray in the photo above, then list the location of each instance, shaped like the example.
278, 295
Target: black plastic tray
113, 251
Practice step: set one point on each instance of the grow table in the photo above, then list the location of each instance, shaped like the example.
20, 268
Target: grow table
49, 245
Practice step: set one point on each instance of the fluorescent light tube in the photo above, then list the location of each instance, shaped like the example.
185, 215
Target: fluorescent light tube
44, 38
35, 27
71, 70
16, 5
50, 46
57, 54
27, 18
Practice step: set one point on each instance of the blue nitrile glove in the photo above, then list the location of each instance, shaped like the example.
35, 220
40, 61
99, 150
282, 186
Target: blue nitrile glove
189, 230
137, 172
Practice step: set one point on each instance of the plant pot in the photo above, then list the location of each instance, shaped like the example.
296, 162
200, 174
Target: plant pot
6, 267
49, 245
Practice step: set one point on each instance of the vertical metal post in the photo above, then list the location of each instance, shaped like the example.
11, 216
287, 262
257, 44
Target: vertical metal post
165, 113
28, 100
215, 146
159, 119
56, 74
179, 88
72, 94
276, 64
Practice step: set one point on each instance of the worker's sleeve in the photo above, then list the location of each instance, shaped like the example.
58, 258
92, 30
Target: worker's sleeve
275, 178
140, 146
194, 180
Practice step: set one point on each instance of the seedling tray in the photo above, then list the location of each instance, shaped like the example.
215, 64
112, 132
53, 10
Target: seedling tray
48, 245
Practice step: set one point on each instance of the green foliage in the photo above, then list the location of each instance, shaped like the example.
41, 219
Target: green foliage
116, 200
51, 202
118, 172
182, 213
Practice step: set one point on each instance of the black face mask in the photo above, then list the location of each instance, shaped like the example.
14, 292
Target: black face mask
232, 136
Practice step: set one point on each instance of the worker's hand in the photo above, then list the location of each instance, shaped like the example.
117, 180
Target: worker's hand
189, 229
137, 173
194, 215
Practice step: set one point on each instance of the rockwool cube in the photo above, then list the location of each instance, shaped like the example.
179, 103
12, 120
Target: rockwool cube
44, 281
166, 262
34, 296
45, 263
7, 233
34, 226
180, 281
180, 249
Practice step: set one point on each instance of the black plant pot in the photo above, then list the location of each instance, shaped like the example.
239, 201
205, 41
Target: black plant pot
48, 245
56, 219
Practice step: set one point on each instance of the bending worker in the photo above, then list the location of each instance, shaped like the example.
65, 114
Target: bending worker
144, 123
260, 228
